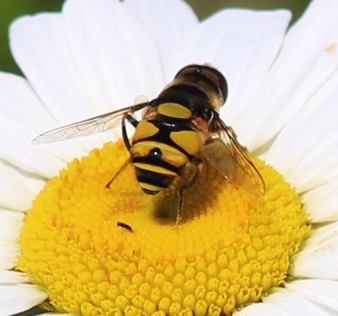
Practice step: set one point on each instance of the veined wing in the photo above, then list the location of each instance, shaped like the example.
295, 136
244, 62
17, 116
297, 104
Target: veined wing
227, 155
89, 126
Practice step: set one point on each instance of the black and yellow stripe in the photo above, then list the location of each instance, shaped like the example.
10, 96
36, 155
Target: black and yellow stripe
157, 157
167, 138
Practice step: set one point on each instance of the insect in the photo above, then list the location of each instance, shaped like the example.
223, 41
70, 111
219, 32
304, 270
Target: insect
125, 226
176, 129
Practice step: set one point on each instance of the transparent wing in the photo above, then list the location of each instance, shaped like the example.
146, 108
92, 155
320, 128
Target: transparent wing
226, 154
90, 126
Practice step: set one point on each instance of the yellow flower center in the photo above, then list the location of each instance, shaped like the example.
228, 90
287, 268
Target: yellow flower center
103, 249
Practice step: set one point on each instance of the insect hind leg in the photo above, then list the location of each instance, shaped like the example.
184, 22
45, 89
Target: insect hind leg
199, 166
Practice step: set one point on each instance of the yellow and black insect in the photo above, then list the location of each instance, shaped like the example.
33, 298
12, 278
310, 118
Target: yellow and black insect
177, 128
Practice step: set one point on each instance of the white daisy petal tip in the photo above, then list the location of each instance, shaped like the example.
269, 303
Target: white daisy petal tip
319, 291
10, 227
290, 304
282, 302
18, 298
319, 256
13, 277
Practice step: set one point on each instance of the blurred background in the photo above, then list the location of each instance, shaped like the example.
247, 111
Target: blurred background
10, 9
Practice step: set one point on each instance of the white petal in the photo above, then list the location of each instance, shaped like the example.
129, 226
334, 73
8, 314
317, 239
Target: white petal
23, 118
282, 303
322, 202
18, 298
116, 58
307, 60
171, 24
39, 45
322, 292
294, 304
10, 228
16, 190
261, 309
306, 151
13, 277
319, 256
244, 44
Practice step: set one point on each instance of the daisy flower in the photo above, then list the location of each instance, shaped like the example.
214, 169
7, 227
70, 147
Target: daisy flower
71, 244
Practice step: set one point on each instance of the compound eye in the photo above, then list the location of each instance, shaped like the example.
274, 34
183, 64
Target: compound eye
188, 70
216, 78
212, 75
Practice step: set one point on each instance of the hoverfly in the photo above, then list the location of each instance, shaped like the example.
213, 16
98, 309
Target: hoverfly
177, 128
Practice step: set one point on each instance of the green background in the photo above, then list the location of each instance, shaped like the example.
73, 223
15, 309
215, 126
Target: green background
10, 9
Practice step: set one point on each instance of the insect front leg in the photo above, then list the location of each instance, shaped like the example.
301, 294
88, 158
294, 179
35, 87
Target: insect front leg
133, 122
125, 137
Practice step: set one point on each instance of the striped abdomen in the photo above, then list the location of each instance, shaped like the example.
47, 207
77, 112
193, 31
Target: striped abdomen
160, 151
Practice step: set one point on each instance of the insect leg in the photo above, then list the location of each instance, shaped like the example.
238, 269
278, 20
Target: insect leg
123, 166
198, 163
133, 122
